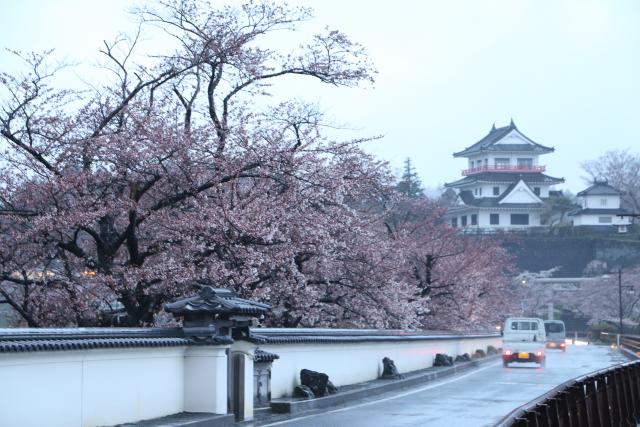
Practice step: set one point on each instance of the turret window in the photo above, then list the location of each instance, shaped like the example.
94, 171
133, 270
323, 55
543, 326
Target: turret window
474, 219
525, 163
502, 163
494, 219
519, 219
463, 220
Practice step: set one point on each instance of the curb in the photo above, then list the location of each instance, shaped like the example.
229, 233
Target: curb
186, 419
375, 387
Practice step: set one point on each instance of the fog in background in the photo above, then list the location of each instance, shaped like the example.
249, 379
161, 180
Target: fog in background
565, 71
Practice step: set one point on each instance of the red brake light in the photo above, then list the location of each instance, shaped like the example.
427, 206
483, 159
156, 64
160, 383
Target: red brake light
562, 344
508, 352
538, 353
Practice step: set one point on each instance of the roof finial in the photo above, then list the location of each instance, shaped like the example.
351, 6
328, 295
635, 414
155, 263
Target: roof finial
493, 127
512, 125
600, 180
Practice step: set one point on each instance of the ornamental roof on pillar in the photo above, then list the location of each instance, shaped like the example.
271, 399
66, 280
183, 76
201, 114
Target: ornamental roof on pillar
505, 139
216, 301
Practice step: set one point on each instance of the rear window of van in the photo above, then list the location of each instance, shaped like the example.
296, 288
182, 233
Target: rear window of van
524, 326
553, 327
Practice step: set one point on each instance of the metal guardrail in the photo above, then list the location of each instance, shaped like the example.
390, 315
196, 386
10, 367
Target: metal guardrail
628, 344
609, 397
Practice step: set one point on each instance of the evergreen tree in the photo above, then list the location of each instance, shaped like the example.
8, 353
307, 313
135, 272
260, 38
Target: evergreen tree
410, 184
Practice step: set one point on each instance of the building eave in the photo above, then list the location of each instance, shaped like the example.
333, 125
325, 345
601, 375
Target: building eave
497, 134
505, 178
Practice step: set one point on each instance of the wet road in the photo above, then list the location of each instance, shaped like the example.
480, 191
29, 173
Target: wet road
477, 398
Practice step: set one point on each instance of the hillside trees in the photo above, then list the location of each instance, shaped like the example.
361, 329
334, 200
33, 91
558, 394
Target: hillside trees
118, 197
557, 207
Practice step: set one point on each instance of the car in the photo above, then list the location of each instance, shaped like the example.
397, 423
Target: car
555, 334
523, 341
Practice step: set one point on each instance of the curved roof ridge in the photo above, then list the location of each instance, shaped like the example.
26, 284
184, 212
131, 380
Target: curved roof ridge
600, 188
495, 135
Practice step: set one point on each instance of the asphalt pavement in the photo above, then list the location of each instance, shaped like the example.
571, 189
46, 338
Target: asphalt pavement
479, 397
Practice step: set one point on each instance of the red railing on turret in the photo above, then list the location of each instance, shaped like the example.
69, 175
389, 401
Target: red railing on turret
503, 168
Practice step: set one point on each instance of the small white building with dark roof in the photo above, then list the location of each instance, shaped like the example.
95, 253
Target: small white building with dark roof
600, 206
503, 185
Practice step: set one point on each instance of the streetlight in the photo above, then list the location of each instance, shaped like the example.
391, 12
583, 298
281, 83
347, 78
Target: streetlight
620, 298
631, 290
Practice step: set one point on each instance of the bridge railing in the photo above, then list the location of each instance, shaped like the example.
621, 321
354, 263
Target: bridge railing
609, 397
629, 344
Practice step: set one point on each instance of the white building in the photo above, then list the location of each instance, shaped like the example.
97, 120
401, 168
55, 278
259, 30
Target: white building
504, 185
600, 207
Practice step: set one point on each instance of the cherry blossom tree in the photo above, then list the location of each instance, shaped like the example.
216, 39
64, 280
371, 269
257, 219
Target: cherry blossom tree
167, 173
610, 291
118, 197
466, 280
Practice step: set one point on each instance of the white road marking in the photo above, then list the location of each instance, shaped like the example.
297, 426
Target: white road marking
408, 393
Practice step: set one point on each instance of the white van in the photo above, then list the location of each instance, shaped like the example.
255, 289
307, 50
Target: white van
555, 334
523, 340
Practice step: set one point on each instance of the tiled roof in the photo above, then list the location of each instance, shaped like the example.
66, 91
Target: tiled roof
600, 189
493, 202
11, 346
590, 211
488, 143
216, 301
264, 356
55, 339
318, 336
507, 177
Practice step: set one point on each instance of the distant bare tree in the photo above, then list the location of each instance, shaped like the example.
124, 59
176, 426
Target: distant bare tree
621, 168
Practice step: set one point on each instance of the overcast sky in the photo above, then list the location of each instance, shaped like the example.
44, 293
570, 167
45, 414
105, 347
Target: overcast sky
567, 72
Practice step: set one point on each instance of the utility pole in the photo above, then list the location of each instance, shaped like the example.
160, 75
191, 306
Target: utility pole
620, 298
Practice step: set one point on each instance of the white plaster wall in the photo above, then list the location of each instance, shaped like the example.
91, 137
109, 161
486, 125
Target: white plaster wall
484, 219
487, 190
505, 219
594, 202
534, 219
40, 391
520, 194
205, 379
90, 387
354, 363
593, 220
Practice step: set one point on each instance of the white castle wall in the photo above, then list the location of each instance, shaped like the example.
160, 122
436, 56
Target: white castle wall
109, 386
353, 363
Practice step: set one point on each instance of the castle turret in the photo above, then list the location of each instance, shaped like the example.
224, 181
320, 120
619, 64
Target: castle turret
503, 185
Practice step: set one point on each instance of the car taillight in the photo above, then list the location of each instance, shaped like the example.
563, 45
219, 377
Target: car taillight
508, 352
538, 353
562, 344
